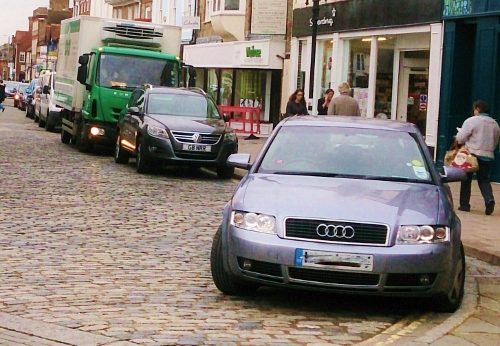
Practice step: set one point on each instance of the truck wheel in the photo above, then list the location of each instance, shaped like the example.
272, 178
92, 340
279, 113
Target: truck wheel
49, 126
82, 143
121, 156
65, 137
224, 281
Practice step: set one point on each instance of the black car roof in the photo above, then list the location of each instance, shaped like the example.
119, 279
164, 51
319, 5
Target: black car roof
346, 121
175, 91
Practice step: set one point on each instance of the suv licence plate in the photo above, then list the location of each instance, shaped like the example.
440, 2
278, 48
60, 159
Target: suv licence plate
197, 147
333, 260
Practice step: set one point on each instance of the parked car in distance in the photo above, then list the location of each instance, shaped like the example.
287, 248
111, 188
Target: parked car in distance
344, 204
11, 88
174, 126
19, 95
49, 115
30, 99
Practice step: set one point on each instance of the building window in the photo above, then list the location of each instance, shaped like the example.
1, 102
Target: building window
208, 10
22, 57
147, 12
232, 5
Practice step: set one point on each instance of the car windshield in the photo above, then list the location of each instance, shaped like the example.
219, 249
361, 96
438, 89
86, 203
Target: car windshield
196, 106
10, 86
121, 71
346, 152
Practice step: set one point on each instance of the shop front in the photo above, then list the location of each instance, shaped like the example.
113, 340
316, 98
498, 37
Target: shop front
391, 61
241, 73
471, 66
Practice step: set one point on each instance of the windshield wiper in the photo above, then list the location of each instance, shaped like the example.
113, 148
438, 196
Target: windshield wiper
399, 179
312, 174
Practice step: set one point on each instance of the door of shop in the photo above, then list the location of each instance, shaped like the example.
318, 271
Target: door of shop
413, 92
495, 111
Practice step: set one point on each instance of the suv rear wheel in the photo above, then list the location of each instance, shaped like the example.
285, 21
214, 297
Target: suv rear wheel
121, 156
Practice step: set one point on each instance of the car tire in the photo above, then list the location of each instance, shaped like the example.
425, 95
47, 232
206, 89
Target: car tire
65, 137
121, 156
224, 171
142, 163
49, 126
224, 281
451, 301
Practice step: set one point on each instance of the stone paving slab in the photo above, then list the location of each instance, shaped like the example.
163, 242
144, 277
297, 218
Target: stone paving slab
41, 332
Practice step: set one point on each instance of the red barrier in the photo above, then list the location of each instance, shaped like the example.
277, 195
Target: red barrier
244, 116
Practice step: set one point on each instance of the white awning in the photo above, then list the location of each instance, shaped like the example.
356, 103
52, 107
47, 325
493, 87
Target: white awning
258, 54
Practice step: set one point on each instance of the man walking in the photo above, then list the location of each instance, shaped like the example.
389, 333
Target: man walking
344, 104
2, 95
480, 134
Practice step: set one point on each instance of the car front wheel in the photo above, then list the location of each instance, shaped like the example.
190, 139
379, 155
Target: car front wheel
451, 301
142, 162
224, 281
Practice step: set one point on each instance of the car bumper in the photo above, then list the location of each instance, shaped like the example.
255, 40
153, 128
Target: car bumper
163, 150
397, 270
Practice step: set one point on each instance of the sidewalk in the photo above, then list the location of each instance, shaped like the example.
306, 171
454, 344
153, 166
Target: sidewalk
480, 233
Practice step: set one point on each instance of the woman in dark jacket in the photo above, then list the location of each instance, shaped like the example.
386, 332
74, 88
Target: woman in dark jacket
2, 95
296, 104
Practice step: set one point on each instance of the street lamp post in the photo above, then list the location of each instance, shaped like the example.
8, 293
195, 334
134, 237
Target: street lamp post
315, 16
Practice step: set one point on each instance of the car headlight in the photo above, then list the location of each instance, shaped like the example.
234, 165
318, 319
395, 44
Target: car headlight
230, 136
254, 222
156, 131
408, 235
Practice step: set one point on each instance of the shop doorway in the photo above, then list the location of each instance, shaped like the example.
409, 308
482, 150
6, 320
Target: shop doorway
413, 88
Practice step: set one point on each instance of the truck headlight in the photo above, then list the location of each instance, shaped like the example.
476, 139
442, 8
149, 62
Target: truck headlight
410, 235
254, 222
156, 131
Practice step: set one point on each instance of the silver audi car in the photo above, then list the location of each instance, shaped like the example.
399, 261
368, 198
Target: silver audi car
343, 204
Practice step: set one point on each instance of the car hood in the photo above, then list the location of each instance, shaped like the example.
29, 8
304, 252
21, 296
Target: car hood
190, 124
392, 203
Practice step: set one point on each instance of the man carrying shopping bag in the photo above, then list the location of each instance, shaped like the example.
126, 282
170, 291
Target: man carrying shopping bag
480, 135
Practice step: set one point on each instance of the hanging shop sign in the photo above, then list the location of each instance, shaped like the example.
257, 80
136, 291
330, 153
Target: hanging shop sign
269, 17
353, 15
191, 23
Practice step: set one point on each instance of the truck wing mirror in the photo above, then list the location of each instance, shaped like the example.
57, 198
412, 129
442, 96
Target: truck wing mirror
82, 74
83, 59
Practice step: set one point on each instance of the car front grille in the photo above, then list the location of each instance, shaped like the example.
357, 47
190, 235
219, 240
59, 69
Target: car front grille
364, 233
333, 277
187, 137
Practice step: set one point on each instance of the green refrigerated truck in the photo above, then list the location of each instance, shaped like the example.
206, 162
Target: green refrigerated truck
100, 62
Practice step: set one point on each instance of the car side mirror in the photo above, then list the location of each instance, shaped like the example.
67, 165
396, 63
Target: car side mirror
82, 74
134, 110
226, 117
453, 174
239, 161
46, 89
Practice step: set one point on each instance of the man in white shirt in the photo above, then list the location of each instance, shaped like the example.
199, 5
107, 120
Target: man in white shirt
480, 134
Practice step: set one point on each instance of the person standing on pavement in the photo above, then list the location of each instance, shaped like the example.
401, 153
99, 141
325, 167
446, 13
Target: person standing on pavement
296, 104
344, 104
324, 102
480, 133
2, 95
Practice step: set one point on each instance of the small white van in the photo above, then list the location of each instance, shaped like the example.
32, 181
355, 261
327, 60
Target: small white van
48, 114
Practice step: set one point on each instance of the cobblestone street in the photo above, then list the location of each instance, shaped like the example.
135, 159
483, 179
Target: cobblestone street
96, 247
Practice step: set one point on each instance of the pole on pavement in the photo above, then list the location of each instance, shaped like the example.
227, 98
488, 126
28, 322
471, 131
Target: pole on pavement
315, 16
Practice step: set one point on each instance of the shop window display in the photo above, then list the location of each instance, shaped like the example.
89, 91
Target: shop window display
213, 84
251, 88
385, 71
325, 60
358, 67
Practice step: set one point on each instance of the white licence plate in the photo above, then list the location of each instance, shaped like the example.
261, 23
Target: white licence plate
333, 260
197, 147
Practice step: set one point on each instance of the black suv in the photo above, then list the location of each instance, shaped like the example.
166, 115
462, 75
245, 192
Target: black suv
174, 125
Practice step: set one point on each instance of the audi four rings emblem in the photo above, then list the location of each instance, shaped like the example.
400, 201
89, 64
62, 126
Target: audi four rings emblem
335, 231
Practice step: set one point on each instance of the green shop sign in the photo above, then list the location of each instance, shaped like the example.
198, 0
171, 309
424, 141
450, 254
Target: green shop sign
452, 8
252, 52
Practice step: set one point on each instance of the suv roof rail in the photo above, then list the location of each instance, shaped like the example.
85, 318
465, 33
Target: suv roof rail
197, 89
148, 86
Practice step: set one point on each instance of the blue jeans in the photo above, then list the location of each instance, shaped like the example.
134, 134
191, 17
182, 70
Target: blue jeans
483, 180
2, 107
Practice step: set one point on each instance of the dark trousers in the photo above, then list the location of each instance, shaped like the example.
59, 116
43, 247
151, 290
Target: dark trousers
483, 180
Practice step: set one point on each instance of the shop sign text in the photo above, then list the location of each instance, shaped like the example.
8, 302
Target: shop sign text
457, 8
324, 20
